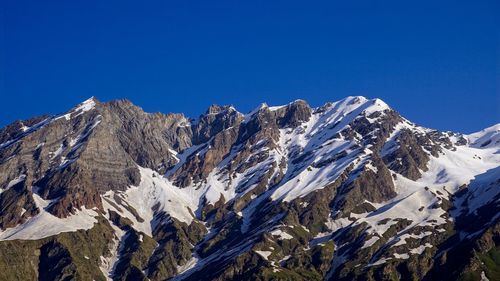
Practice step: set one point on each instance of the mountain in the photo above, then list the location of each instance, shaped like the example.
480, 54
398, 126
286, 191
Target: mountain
347, 191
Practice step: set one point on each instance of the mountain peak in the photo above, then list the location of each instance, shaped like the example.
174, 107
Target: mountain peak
486, 138
81, 108
87, 104
271, 190
215, 109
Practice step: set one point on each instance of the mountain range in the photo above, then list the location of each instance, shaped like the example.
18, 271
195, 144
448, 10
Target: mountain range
350, 190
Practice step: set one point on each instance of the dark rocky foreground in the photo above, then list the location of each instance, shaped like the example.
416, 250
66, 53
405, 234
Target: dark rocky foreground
347, 191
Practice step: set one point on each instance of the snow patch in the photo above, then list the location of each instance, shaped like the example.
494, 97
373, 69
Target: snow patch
281, 234
487, 138
15, 181
153, 191
45, 224
264, 254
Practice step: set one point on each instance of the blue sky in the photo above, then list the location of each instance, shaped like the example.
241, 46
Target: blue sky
437, 62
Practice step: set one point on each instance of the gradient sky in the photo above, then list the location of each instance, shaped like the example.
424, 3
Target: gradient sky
436, 62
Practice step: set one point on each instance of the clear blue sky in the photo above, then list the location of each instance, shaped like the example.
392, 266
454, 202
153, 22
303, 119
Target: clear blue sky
437, 62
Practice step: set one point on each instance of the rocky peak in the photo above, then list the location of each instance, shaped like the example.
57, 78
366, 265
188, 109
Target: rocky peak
87, 105
216, 119
347, 191
216, 109
295, 113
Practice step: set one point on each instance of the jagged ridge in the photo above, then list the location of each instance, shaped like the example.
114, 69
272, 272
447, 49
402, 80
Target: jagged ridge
349, 190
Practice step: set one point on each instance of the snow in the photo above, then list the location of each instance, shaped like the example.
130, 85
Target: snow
304, 204
26, 131
488, 138
264, 254
299, 180
189, 264
58, 151
456, 168
285, 258
243, 246
15, 181
417, 251
174, 154
83, 107
446, 173
482, 190
247, 117
249, 210
402, 238
221, 183
309, 139
370, 242
45, 224
483, 277
401, 256
74, 143
184, 155
109, 263
337, 224
416, 200
7, 143
153, 190
379, 262
420, 249
370, 166
376, 105
324, 159
412, 195
403, 207
281, 234
274, 108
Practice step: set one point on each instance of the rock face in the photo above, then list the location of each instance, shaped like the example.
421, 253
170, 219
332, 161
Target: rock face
347, 191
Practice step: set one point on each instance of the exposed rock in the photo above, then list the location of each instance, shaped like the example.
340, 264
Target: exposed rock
347, 191
409, 158
373, 186
16, 205
295, 113
216, 119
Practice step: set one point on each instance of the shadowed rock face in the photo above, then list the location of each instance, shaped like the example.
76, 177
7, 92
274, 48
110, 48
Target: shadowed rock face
215, 120
55, 254
373, 186
347, 191
294, 114
16, 205
409, 158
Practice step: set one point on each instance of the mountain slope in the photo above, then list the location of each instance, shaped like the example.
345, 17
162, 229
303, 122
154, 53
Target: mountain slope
349, 190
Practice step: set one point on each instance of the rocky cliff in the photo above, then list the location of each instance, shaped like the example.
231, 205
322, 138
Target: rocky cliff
347, 191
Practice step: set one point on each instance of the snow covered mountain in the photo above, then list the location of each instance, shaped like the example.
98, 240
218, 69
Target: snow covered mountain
347, 191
